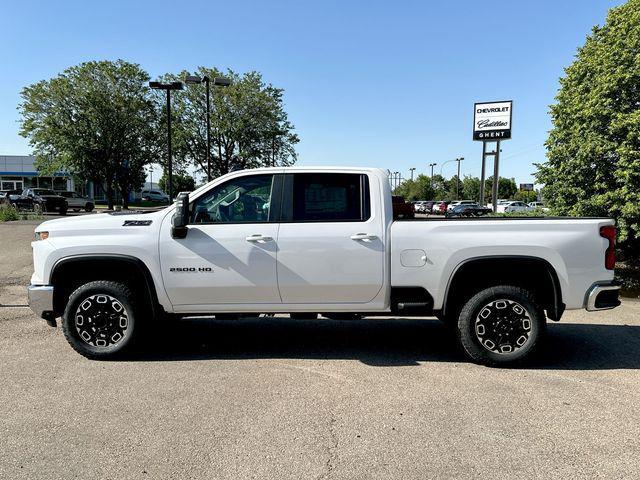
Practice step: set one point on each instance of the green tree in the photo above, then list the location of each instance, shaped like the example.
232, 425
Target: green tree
249, 125
95, 120
418, 189
470, 188
182, 182
526, 196
593, 149
507, 188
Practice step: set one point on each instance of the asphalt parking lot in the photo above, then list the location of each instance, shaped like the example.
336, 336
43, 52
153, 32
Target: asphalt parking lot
278, 398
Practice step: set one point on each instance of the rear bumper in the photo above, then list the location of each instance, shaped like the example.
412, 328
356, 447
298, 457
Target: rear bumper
41, 301
603, 297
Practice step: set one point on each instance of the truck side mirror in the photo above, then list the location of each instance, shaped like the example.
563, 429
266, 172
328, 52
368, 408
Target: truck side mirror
180, 218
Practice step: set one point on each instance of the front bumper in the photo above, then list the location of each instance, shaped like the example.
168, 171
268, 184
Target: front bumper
41, 301
603, 297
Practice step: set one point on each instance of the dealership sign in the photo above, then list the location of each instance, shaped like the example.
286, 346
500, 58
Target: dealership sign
492, 120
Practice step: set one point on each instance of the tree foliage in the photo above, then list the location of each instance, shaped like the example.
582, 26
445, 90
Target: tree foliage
526, 196
593, 150
249, 125
181, 183
442, 189
95, 120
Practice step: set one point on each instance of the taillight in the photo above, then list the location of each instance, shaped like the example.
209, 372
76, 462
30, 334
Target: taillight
609, 232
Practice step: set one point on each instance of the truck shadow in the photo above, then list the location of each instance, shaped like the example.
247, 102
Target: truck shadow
379, 342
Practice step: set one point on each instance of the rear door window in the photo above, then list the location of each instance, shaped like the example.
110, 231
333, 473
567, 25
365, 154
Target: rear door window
329, 197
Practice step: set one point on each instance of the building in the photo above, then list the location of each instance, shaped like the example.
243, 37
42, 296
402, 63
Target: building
18, 172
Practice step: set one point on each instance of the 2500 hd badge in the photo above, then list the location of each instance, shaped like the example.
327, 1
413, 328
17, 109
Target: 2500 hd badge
191, 269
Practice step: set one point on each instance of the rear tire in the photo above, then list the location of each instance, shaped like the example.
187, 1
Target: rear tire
501, 326
88, 207
100, 319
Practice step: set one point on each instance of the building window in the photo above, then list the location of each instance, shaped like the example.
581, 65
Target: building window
44, 182
59, 183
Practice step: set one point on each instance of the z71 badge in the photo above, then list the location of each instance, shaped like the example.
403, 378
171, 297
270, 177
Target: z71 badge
191, 269
137, 223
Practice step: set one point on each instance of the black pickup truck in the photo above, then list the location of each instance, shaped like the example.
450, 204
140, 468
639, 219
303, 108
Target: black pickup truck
38, 200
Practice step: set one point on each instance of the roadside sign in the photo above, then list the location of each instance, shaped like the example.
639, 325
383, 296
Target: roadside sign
527, 187
492, 120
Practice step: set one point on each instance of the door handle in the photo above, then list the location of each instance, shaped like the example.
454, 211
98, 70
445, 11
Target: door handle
258, 238
363, 236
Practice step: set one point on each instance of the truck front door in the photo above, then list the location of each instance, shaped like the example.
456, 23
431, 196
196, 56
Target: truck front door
229, 253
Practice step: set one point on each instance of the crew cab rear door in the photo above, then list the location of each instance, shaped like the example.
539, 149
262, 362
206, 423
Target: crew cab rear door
330, 242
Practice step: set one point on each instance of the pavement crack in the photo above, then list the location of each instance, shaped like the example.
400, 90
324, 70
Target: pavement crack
331, 450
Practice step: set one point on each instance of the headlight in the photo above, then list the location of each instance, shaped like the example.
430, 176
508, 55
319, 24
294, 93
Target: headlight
41, 236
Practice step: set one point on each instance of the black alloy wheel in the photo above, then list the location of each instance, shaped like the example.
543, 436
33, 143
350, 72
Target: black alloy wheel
99, 320
501, 325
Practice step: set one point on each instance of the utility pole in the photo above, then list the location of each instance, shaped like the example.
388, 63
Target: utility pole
412, 170
432, 165
458, 178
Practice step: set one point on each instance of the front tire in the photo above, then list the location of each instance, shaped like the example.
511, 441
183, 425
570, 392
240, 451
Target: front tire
99, 321
501, 326
88, 207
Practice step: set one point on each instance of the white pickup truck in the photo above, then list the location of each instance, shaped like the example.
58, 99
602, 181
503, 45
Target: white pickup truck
309, 241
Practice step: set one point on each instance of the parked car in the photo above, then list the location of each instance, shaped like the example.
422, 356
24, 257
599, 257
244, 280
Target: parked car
15, 199
78, 202
509, 207
328, 243
467, 210
44, 200
427, 206
401, 208
423, 206
154, 196
452, 205
439, 208
538, 206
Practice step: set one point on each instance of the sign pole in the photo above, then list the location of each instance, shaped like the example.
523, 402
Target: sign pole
482, 173
496, 177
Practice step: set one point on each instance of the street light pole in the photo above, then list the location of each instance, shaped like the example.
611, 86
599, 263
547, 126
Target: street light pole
458, 178
432, 165
167, 87
412, 170
170, 158
208, 129
221, 81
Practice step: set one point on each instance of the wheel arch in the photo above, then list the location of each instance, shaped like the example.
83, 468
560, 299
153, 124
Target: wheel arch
520, 270
70, 272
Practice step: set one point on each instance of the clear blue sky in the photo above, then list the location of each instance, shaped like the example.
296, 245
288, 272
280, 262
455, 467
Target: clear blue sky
378, 83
